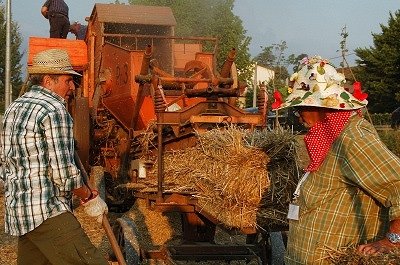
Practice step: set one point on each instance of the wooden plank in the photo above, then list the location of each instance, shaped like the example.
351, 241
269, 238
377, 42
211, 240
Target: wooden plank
77, 49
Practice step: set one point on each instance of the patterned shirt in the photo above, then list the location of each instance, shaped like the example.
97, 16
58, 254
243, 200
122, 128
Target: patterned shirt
349, 200
57, 6
38, 153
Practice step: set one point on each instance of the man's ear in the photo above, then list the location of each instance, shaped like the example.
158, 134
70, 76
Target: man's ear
46, 81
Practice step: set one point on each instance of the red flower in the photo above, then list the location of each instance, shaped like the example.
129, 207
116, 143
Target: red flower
342, 105
357, 91
278, 100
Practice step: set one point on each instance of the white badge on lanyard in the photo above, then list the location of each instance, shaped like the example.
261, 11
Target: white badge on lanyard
293, 213
294, 209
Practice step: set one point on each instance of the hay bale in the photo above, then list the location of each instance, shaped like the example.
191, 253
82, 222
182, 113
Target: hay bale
242, 178
284, 173
227, 183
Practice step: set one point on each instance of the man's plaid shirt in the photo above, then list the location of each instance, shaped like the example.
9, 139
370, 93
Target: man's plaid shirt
38, 153
349, 200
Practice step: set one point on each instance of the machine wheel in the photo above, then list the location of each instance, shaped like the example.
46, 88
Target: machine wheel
127, 235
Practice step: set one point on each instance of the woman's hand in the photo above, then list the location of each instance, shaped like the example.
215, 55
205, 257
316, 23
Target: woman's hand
381, 246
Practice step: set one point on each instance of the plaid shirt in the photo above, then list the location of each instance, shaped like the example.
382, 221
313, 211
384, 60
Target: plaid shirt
39, 168
349, 200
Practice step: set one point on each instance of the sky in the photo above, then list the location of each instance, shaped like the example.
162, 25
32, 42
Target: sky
312, 27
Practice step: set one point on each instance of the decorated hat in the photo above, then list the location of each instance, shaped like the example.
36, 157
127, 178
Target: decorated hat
318, 84
52, 61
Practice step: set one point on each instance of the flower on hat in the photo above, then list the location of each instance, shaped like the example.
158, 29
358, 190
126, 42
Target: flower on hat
357, 91
280, 96
278, 100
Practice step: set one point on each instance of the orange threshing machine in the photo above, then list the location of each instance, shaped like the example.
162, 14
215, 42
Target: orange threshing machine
138, 75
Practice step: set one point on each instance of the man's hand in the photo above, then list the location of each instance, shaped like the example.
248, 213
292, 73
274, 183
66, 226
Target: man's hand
95, 207
381, 246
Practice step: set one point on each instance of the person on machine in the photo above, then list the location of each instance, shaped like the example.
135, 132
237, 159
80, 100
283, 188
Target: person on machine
56, 11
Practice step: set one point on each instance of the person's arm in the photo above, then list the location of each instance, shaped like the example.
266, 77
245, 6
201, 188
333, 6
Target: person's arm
375, 169
383, 245
45, 9
58, 128
45, 12
66, 176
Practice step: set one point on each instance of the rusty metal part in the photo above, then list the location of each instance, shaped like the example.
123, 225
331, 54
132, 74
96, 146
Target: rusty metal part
159, 107
159, 100
262, 101
175, 82
199, 68
212, 91
82, 128
144, 70
226, 67
156, 70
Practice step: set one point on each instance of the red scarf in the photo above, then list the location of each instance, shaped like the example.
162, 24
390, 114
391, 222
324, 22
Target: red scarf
321, 136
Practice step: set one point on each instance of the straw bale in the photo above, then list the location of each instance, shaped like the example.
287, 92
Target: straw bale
242, 178
284, 171
227, 176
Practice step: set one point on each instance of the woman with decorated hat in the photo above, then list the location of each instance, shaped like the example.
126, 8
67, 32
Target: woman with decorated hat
350, 192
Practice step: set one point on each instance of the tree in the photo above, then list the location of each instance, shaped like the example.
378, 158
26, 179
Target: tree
379, 67
212, 18
16, 56
274, 58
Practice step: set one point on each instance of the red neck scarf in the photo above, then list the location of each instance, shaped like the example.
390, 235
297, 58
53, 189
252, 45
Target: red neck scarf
321, 136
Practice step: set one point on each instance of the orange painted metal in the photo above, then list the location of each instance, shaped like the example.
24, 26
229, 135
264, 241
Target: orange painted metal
77, 49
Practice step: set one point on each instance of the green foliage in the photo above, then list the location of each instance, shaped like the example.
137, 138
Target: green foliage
381, 118
274, 58
379, 69
16, 56
211, 18
391, 139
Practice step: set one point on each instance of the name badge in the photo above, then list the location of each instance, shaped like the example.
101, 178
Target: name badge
293, 213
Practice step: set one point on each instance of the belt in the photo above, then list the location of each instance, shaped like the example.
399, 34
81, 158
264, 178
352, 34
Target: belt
58, 15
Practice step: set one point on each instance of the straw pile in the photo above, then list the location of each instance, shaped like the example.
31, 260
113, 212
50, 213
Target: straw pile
227, 175
284, 171
350, 256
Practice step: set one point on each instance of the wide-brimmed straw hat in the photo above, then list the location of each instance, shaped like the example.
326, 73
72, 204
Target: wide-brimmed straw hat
318, 84
52, 61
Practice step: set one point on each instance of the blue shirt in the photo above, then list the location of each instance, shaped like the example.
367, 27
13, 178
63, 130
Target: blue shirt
38, 160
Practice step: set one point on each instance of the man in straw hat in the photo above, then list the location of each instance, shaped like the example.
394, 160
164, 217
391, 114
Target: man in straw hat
350, 192
40, 175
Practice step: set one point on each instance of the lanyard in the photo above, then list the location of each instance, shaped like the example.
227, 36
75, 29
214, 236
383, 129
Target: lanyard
296, 193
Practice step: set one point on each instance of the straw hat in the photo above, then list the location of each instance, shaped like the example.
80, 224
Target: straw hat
52, 61
318, 84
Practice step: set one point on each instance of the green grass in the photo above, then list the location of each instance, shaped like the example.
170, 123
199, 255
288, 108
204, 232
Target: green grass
391, 138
